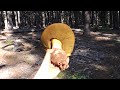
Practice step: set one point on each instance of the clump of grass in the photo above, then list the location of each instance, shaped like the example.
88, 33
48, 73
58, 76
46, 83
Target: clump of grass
68, 75
8, 41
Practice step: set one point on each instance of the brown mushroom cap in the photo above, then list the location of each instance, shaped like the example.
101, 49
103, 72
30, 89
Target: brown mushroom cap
61, 32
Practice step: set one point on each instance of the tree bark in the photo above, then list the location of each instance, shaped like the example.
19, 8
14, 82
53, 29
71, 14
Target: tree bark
16, 19
87, 24
103, 17
0, 19
62, 17
115, 20
5, 20
18, 12
111, 19
76, 13
43, 16
9, 23
92, 18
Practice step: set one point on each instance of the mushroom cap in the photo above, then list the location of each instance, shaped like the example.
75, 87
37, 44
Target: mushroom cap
63, 33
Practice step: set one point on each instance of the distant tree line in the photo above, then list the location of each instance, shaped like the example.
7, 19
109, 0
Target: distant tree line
75, 19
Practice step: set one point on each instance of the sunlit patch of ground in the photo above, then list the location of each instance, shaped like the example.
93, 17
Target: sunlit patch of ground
99, 67
99, 38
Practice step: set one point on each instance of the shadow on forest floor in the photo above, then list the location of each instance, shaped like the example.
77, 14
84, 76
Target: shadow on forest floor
96, 57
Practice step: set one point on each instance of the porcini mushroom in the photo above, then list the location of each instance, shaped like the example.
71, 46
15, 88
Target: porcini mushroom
59, 36
56, 33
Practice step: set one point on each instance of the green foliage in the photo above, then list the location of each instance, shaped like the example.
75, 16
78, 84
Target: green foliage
68, 75
8, 41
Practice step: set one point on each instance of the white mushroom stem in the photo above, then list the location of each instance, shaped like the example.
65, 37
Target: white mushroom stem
56, 44
43, 73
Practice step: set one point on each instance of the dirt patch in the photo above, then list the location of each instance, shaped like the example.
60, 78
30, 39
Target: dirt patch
29, 58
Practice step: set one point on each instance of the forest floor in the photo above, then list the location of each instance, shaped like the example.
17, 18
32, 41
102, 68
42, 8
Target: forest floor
94, 57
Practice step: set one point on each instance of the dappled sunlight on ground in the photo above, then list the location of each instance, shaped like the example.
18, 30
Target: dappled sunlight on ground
96, 57
99, 67
31, 55
99, 38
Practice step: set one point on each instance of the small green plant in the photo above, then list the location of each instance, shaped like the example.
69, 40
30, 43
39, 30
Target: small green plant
8, 41
77, 76
68, 75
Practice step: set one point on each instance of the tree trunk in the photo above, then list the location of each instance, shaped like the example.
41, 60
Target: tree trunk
115, 20
62, 17
43, 16
0, 19
83, 17
76, 13
87, 24
111, 19
9, 23
97, 19
103, 17
16, 19
119, 18
92, 18
5, 20
18, 13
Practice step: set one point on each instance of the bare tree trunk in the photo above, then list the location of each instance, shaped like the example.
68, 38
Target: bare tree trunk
92, 18
87, 24
18, 12
62, 17
5, 20
115, 20
16, 19
0, 19
111, 19
83, 17
9, 23
43, 16
103, 18
76, 14
97, 18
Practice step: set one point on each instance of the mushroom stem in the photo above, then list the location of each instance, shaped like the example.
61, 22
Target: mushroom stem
43, 72
56, 43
